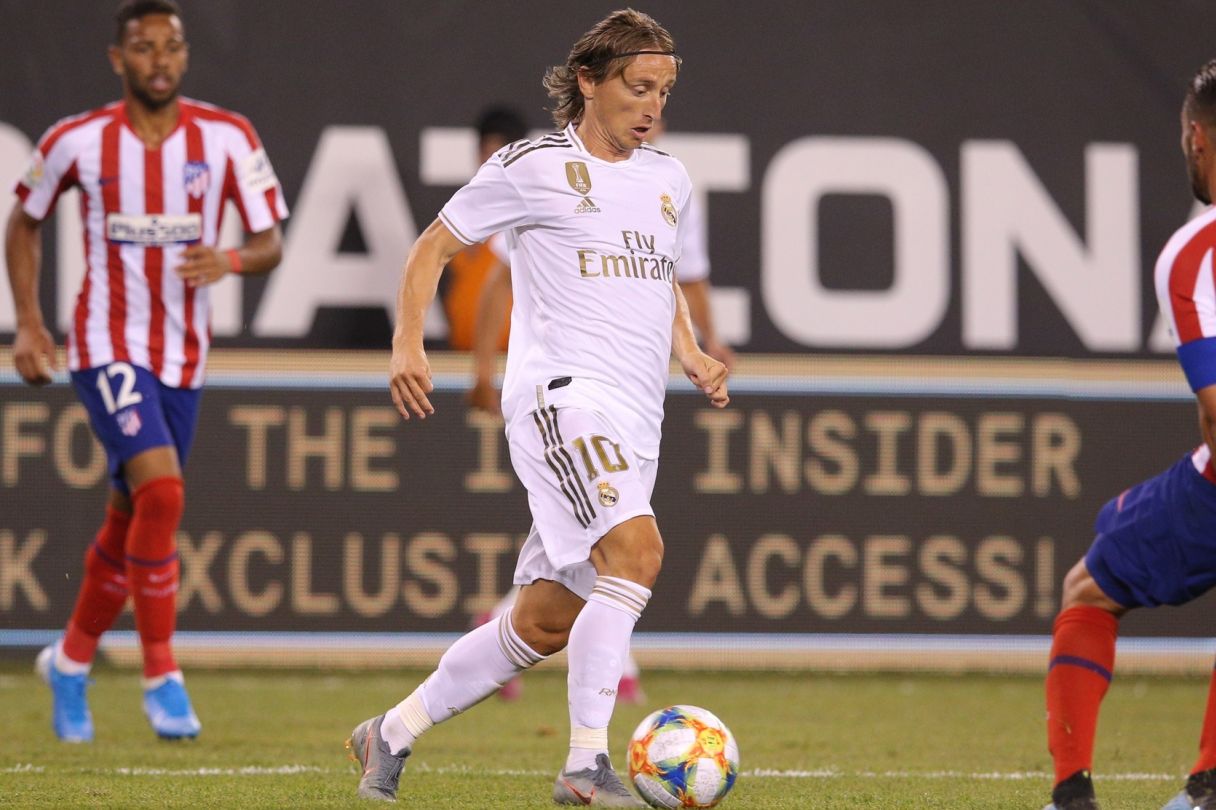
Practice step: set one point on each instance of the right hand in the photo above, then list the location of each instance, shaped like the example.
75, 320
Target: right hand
483, 396
409, 381
34, 354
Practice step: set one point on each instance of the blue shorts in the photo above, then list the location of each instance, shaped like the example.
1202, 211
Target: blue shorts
1156, 542
131, 411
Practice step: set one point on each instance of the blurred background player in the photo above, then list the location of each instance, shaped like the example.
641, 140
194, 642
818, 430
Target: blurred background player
154, 171
593, 266
477, 289
467, 272
1156, 542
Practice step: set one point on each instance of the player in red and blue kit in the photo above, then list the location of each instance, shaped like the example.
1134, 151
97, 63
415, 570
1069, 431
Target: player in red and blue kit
1156, 542
154, 171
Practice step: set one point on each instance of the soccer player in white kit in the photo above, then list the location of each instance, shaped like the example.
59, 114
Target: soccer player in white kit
593, 218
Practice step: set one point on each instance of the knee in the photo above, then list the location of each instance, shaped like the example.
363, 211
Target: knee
159, 505
632, 552
1081, 590
642, 569
545, 637
160, 498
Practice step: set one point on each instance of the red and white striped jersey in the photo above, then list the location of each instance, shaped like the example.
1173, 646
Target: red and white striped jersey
1185, 279
141, 208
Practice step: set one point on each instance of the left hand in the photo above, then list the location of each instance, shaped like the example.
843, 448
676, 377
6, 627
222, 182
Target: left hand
483, 396
709, 375
720, 351
203, 265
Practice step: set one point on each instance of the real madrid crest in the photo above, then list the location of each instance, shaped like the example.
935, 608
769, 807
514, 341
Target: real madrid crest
669, 210
608, 494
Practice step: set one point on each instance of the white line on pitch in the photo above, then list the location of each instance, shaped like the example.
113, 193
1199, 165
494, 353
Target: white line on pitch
757, 773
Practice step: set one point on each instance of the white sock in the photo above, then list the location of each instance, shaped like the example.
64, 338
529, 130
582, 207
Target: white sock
155, 683
599, 645
471, 670
67, 666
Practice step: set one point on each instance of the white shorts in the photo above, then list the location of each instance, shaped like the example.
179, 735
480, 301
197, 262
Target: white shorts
582, 480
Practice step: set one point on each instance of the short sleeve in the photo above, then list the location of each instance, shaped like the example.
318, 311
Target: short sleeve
51, 171
256, 189
693, 264
488, 204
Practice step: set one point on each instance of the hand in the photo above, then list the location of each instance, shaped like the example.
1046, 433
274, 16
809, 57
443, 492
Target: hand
203, 265
720, 351
709, 375
34, 354
483, 396
409, 381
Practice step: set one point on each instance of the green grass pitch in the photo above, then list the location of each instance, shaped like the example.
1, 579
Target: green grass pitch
808, 740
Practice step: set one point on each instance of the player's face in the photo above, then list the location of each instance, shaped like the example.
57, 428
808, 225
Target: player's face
628, 106
152, 59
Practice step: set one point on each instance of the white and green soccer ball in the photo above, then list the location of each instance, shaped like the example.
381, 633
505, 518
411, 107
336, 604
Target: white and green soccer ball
683, 756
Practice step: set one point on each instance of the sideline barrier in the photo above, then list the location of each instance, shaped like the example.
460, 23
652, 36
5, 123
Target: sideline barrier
844, 512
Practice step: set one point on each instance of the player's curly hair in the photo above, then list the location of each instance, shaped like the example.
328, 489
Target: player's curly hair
1201, 95
622, 32
136, 9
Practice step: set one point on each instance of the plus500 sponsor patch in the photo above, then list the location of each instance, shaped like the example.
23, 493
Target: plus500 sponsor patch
153, 230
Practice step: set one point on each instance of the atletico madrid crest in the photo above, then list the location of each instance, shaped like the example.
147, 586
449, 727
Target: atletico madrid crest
197, 178
129, 422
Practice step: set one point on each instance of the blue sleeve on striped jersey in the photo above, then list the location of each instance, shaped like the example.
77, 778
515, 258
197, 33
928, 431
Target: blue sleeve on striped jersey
1198, 358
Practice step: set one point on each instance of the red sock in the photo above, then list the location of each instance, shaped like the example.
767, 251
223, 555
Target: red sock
1081, 666
152, 569
1207, 740
103, 591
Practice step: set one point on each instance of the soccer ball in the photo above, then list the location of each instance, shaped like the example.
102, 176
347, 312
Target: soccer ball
683, 756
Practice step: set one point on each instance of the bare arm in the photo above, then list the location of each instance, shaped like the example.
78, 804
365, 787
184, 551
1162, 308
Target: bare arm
704, 371
33, 346
204, 265
696, 293
409, 371
1207, 416
493, 305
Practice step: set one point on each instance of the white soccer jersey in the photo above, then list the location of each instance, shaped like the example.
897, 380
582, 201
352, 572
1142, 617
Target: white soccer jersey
594, 246
141, 208
694, 258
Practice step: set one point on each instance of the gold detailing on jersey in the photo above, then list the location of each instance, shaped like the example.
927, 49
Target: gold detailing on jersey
608, 494
586, 206
592, 264
578, 177
668, 209
562, 464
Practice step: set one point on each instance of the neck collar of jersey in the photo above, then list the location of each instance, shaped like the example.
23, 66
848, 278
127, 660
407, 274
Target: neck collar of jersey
582, 147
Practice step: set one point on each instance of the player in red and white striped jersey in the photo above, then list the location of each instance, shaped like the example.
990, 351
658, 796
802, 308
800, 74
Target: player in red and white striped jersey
154, 171
1155, 542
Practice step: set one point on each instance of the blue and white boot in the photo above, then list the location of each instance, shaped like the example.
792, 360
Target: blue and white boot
168, 708
70, 715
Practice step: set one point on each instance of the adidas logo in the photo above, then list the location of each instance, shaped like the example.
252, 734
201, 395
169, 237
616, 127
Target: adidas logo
586, 206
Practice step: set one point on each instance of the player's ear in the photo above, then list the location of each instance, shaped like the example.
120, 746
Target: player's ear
115, 55
586, 85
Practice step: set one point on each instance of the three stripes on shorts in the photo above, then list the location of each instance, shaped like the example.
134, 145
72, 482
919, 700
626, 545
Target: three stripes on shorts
559, 460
